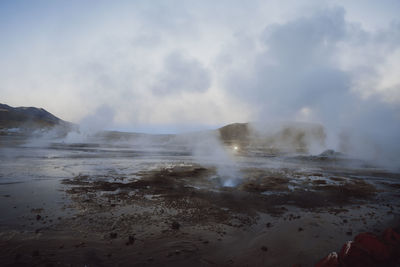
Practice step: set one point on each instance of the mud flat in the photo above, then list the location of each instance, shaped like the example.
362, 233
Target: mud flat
78, 207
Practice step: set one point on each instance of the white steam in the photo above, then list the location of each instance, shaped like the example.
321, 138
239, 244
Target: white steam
208, 150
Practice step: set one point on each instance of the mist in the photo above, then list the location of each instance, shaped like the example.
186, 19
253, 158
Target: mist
199, 133
201, 66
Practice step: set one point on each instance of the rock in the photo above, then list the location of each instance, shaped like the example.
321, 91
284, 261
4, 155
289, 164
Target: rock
113, 235
35, 253
17, 256
175, 225
330, 153
131, 240
300, 229
349, 232
81, 244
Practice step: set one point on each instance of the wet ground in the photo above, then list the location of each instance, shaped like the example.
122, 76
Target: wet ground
122, 205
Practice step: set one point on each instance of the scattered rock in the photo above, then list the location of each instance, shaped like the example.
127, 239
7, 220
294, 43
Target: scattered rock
330, 153
349, 232
175, 225
81, 244
17, 256
113, 235
35, 253
131, 240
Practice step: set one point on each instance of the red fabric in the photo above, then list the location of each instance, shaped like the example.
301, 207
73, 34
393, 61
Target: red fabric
352, 254
329, 261
376, 248
391, 237
367, 250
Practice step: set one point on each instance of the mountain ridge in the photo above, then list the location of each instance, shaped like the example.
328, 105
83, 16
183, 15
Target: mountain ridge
289, 137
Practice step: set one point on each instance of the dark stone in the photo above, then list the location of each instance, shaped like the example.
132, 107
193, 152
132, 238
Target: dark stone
175, 225
349, 232
131, 240
35, 253
17, 256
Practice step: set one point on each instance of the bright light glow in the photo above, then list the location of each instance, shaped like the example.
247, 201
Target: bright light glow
236, 148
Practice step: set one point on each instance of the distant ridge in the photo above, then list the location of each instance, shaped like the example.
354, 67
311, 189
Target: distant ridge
235, 132
27, 119
274, 138
283, 137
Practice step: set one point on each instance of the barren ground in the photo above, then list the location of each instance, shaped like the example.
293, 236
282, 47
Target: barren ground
94, 206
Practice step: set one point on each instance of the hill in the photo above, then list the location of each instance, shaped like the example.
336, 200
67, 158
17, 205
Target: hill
28, 119
275, 138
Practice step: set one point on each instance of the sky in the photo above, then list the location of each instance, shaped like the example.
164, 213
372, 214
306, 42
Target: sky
173, 66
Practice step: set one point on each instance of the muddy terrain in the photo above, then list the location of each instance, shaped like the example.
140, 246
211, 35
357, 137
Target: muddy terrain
119, 205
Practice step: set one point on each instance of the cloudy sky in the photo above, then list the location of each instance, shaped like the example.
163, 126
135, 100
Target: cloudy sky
180, 65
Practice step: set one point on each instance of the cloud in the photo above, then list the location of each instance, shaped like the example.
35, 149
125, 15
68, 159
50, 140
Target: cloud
101, 119
158, 64
325, 69
295, 68
314, 61
182, 74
